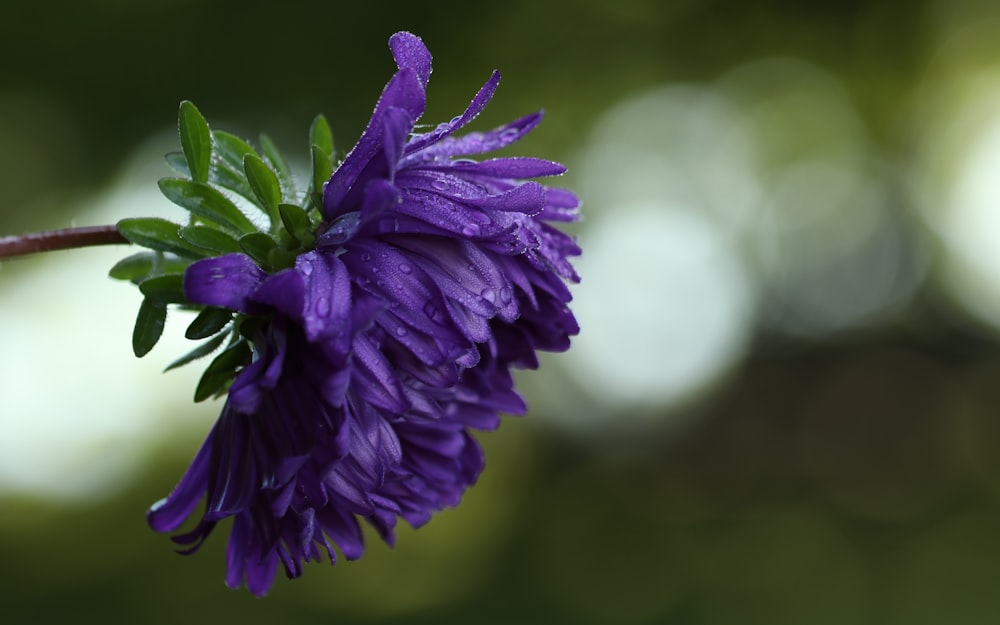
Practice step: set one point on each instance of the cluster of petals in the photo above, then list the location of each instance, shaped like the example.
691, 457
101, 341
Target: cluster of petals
433, 275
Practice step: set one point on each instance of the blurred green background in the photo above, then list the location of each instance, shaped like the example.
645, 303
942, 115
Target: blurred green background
782, 407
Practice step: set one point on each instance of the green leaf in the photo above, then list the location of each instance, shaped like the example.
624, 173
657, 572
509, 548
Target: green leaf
158, 234
258, 246
279, 164
207, 203
167, 289
264, 183
138, 267
231, 148
177, 162
208, 322
322, 169
320, 134
196, 140
201, 351
297, 223
148, 326
210, 239
220, 373
224, 176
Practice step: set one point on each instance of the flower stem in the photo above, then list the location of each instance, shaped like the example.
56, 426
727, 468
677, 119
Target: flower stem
64, 239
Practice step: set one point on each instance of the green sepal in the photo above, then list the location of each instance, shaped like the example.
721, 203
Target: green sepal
265, 185
298, 224
196, 140
320, 134
210, 239
201, 351
207, 203
279, 164
258, 246
158, 234
148, 326
208, 322
167, 288
138, 267
221, 372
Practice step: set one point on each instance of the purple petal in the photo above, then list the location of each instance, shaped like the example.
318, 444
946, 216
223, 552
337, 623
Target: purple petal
479, 142
527, 198
479, 102
326, 311
511, 167
225, 281
403, 92
170, 513
411, 53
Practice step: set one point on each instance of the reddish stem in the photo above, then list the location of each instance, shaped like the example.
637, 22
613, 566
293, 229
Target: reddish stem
64, 239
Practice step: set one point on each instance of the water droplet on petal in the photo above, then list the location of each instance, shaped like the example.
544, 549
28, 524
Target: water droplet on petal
323, 307
307, 269
432, 312
405, 268
506, 295
401, 332
489, 295
471, 230
440, 184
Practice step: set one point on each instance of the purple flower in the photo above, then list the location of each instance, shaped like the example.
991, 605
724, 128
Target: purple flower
432, 276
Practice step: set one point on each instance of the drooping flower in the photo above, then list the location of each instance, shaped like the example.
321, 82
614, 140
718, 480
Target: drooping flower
431, 277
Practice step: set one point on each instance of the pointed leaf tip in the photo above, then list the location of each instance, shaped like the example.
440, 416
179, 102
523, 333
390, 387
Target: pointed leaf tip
196, 140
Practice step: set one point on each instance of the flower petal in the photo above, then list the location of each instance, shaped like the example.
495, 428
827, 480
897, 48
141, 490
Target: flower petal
225, 281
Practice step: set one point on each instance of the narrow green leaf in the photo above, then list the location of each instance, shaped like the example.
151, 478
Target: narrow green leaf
231, 148
320, 134
210, 239
297, 223
207, 203
322, 169
208, 322
196, 140
220, 373
258, 246
148, 326
264, 183
201, 351
158, 234
228, 178
167, 289
138, 267
279, 164
177, 162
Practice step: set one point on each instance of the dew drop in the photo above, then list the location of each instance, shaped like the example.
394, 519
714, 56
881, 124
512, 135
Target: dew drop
306, 269
471, 230
489, 295
323, 307
405, 268
440, 184
506, 295
400, 332
432, 312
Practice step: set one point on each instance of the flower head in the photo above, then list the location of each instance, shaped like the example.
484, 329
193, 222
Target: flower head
369, 360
